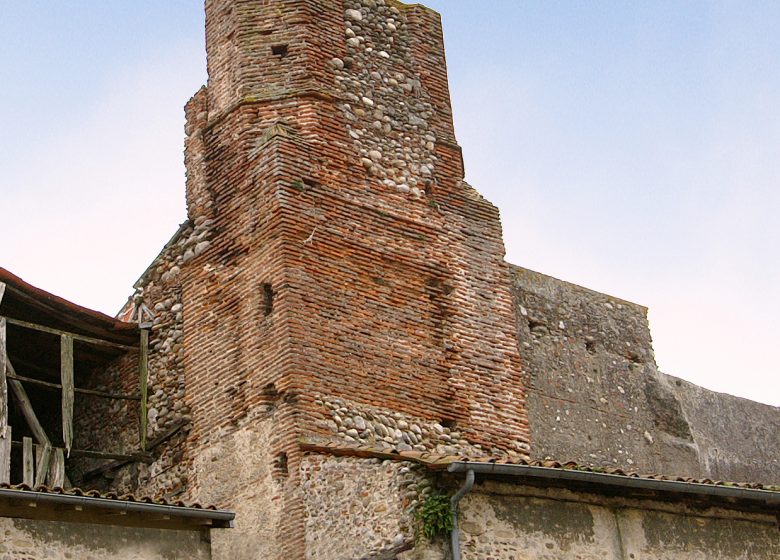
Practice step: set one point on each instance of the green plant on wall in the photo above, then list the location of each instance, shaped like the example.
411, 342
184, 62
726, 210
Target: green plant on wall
435, 516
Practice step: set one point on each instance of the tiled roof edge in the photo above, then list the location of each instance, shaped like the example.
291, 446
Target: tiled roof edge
113, 501
441, 462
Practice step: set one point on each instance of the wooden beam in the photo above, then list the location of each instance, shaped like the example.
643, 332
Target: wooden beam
138, 457
166, 435
143, 373
79, 390
28, 462
43, 455
26, 407
3, 373
57, 469
5, 457
66, 375
2, 291
59, 332
56, 311
86, 453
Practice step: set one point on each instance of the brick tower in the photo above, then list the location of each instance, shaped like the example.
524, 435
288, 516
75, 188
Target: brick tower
353, 286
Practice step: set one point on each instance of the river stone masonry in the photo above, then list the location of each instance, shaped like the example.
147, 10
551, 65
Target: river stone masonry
159, 289
168, 414
385, 104
394, 430
381, 497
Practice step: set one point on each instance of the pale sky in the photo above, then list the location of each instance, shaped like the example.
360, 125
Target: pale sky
632, 148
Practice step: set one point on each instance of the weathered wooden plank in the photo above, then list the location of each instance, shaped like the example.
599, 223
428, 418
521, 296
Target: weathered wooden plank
26, 407
130, 457
82, 338
43, 456
5, 457
143, 373
28, 462
79, 390
66, 376
2, 291
142, 457
57, 468
3, 380
75, 323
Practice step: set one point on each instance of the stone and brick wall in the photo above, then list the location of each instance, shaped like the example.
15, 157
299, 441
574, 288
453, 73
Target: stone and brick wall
347, 274
338, 279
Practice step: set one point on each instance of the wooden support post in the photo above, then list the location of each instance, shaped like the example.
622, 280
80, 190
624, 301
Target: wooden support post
66, 375
27, 410
3, 371
143, 373
28, 462
43, 456
57, 469
5, 457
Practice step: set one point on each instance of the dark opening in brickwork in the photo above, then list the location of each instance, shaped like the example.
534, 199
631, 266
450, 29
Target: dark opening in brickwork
268, 299
280, 465
279, 50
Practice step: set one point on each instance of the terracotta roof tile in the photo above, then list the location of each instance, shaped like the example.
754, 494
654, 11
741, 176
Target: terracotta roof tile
105, 496
441, 462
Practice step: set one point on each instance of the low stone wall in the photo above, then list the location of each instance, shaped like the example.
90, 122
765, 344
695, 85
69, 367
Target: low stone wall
49, 540
507, 521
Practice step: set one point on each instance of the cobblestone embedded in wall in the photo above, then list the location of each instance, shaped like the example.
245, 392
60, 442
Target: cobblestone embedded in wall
168, 413
356, 508
386, 107
394, 430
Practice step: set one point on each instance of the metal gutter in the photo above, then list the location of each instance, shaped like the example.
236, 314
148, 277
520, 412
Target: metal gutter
755, 496
455, 533
221, 518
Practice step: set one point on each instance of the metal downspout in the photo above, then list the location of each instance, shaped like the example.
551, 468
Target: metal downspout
455, 534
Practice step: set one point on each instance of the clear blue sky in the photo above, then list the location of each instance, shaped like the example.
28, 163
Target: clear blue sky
632, 147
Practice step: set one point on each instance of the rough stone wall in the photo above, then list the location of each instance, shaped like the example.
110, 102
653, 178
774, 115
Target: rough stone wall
737, 439
107, 425
236, 469
502, 521
360, 508
113, 425
49, 540
597, 396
